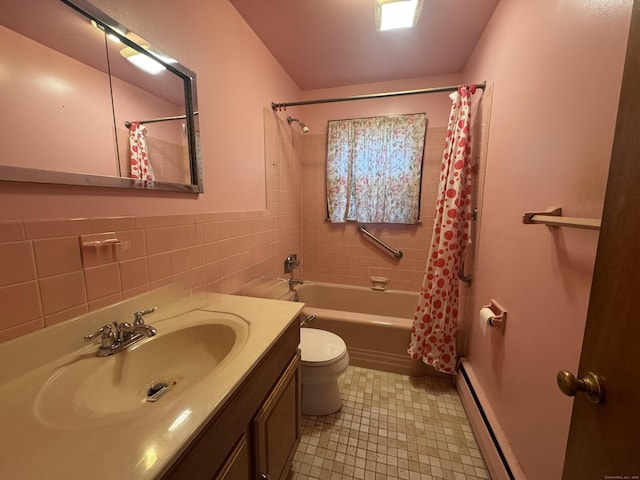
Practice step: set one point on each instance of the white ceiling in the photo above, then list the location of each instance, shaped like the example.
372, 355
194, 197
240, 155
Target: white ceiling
330, 43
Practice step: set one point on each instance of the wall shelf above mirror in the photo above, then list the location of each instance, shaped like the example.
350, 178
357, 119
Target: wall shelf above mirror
72, 88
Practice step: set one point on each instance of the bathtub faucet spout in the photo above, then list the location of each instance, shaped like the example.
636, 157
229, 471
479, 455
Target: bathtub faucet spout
294, 281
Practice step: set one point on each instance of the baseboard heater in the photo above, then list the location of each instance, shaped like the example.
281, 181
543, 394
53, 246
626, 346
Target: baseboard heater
495, 456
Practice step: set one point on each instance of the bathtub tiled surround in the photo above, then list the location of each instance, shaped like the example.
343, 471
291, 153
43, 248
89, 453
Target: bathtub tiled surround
390, 427
338, 253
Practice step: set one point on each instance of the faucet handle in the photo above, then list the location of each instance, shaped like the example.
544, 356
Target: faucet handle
107, 337
291, 262
137, 317
105, 331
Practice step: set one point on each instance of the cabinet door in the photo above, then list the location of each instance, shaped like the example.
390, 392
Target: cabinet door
237, 465
276, 426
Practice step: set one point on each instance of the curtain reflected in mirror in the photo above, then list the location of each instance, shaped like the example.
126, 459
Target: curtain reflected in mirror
72, 81
150, 94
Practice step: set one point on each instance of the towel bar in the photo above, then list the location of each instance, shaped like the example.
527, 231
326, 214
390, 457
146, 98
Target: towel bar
554, 218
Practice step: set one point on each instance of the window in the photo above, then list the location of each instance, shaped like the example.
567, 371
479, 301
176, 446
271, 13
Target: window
374, 168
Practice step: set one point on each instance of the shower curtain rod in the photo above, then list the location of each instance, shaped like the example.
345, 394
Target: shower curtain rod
160, 119
453, 88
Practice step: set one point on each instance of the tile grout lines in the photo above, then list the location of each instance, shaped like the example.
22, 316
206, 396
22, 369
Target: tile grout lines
390, 427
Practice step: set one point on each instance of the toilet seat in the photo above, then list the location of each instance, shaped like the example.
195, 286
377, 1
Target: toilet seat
320, 348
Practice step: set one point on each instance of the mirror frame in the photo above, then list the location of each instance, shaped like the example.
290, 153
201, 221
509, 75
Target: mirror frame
32, 175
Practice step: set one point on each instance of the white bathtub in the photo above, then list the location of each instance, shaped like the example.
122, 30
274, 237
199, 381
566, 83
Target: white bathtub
375, 325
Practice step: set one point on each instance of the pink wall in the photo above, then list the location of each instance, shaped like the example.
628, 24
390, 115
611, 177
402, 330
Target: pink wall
66, 100
556, 67
236, 77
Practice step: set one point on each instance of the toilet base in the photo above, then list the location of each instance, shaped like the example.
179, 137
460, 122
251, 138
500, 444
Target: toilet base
321, 398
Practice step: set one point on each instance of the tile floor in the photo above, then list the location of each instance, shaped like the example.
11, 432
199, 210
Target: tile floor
390, 427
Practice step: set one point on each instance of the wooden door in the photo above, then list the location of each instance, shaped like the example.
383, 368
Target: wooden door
604, 439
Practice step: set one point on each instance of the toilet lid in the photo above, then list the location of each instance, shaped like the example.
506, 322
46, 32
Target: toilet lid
320, 346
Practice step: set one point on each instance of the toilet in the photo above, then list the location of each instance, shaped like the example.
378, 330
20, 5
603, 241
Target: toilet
324, 359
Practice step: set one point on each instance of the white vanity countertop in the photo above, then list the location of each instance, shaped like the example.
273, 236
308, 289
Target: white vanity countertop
135, 444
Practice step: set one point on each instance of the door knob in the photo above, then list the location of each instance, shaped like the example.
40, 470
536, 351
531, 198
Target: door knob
591, 384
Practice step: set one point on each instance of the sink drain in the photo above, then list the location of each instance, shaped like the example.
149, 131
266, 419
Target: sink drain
156, 391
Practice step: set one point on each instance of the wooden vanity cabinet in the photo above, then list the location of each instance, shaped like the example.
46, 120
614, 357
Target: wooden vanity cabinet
256, 432
276, 427
238, 464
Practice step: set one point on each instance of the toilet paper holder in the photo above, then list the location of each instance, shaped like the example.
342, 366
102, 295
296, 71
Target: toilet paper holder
500, 314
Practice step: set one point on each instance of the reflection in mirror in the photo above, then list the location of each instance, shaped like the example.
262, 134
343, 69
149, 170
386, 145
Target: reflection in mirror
54, 94
70, 93
150, 94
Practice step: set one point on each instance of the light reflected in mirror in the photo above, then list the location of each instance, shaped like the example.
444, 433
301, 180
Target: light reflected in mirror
153, 98
70, 91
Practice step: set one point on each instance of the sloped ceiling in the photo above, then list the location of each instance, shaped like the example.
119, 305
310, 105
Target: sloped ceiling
330, 43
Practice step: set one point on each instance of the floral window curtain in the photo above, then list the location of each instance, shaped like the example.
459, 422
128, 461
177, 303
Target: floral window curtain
140, 163
436, 320
374, 168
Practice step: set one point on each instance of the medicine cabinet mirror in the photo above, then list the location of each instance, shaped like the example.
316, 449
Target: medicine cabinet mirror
71, 82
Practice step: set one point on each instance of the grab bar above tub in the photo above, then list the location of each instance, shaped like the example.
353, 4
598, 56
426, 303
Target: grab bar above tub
364, 231
467, 279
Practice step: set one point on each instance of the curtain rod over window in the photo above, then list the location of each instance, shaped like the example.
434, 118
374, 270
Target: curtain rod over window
453, 88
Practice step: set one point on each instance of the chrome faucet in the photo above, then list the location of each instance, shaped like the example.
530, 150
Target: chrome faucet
291, 262
294, 281
118, 336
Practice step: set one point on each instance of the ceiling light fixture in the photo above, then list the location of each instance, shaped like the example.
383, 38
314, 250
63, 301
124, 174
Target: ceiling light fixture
142, 61
146, 62
110, 36
393, 14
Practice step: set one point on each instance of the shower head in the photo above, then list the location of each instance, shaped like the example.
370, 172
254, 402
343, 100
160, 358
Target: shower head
304, 128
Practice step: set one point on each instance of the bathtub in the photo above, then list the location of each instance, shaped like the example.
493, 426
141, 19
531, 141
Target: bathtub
375, 325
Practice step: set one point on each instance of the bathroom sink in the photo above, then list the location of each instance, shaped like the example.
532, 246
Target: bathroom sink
88, 390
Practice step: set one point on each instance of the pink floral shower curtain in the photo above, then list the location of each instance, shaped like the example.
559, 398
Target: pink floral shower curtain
140, 163
436, 319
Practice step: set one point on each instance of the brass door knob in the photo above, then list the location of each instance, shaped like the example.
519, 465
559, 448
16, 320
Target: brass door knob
591, 384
